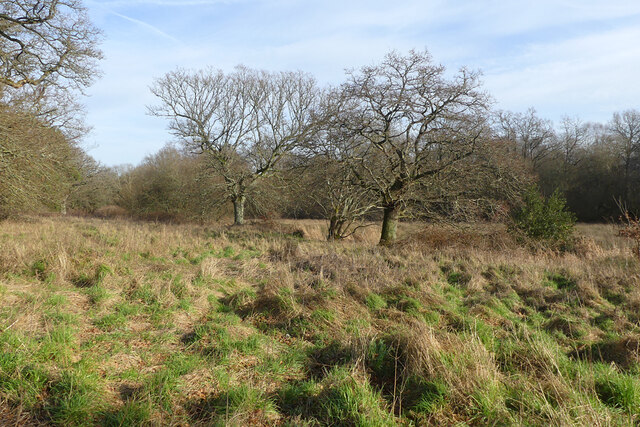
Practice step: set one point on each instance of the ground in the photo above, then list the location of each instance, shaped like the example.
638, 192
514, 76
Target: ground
111, 322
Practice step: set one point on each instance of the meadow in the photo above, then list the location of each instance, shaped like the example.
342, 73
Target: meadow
119, 323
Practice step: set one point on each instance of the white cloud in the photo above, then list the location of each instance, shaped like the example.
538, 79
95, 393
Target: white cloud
575, 57
591, 76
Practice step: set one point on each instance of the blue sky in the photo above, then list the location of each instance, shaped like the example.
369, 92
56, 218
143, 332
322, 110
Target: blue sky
563, 57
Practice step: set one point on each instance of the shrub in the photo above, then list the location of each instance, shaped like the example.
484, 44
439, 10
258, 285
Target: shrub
111, 211
543, 219
630, 227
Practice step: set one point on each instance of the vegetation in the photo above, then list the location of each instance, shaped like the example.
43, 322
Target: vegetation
244, 123
630, 227
48, 42
48, 53
401, 127
396, 139
301, 322
585, 163
37, 164
174, 325
544, 219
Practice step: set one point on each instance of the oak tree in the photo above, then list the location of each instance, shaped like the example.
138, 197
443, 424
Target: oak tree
403, 124
47, 42
246, 122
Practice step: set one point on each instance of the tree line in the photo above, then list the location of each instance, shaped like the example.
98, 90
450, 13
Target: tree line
48, 56
398, 139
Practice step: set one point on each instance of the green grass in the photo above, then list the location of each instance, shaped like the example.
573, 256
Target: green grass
131, 413
375, 302
238, 406
96, 294
56, 300
340, 399
38, 268
340, 334
241, 299
60, 317
429, 395
75, 399
111, 321
20, 379
617, 390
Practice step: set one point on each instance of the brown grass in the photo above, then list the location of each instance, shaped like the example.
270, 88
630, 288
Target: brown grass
468, 307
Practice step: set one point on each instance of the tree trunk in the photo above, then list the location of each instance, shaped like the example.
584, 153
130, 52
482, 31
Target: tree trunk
238, 210
335, 228
389, 225
627, 164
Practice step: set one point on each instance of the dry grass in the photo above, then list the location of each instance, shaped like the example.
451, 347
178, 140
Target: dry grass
269, 324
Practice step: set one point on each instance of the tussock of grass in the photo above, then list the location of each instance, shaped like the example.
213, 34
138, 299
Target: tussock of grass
342, 395
75, 398
119, 323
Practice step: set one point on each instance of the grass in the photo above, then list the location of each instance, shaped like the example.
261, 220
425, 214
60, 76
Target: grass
120, 323
375, 302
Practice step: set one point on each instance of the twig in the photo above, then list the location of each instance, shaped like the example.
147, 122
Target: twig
7, 328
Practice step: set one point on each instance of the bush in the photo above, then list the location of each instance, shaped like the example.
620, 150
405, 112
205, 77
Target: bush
543, 219
111, 212
630, 227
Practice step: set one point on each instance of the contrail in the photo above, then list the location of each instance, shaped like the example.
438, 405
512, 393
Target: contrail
148, 26
118, 3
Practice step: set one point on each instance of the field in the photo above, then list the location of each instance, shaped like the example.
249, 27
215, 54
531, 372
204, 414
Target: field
118, 323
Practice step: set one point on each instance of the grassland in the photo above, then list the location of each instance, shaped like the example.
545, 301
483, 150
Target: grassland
119, 323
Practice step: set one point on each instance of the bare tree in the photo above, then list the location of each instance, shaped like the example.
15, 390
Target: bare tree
483, 185
572, 138
246, 122
403, 124
47, 42
54, 106
333, 191
167, 186
533, 136
345, 204
94, 186
48, 51
625, 130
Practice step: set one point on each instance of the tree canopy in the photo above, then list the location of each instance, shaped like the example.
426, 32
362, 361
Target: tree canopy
47, 42
403, 123
245, 122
